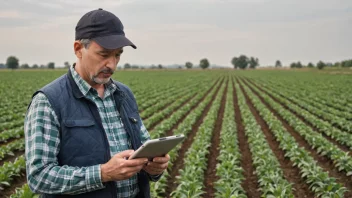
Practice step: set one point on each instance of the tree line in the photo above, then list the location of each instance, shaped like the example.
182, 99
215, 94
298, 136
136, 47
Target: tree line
12, 62
203, 63
318, 65
240, 62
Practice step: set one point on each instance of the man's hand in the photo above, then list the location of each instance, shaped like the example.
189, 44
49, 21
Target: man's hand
157, 166
120, 168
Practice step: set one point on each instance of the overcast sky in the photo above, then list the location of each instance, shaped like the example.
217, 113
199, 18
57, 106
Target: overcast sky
173, 32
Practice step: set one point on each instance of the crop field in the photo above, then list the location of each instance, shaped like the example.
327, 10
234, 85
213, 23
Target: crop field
258, 133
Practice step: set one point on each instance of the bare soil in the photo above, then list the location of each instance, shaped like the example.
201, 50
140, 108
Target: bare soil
16, 183
210, 176
322, 161
170, 132
341, 146
178, 164
250, 183
10, 158
176, 109
291, 173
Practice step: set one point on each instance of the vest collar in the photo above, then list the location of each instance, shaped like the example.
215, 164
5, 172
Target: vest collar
75, 89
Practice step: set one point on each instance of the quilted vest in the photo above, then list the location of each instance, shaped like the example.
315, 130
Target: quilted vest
83, 141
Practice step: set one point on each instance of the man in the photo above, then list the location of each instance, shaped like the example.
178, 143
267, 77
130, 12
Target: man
81, 128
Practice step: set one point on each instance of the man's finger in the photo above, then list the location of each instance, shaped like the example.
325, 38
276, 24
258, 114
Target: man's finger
135, 162
125, 154
157, 165
134, 169
161, 159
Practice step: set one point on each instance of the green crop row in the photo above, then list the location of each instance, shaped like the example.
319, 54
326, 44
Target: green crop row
8, 149
319, 181
342, 160
317, 109
190, 181
229, 168
12, 133
270, 176
158, 188
9, 170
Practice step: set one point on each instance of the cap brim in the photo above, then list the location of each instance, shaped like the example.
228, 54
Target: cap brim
113, 41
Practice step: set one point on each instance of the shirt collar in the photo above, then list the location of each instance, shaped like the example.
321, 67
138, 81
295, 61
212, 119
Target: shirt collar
83, 86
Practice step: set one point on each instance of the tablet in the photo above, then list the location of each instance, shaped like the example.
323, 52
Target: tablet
157, 147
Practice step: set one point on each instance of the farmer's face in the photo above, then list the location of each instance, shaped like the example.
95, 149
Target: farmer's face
98, 64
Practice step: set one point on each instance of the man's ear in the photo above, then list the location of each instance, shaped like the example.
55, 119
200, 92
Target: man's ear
78, 47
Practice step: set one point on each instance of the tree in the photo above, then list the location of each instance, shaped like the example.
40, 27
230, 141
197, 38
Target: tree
189, 65
127, 66
240, 62
296, 65
278, 63
25, 66
234, 62
299, 64
253, 62
204, 63
12, 62
66, 64
160, 66
35, 66
293, 65
51, 65
310, 65
320, 65
346, 63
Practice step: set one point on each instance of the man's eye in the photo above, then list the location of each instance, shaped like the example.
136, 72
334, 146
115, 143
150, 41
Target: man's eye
104, 55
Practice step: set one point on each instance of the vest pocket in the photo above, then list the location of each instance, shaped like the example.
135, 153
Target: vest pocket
80, 141
78, 123
82, 132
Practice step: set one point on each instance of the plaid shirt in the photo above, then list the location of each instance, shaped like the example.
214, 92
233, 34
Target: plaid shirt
43, 143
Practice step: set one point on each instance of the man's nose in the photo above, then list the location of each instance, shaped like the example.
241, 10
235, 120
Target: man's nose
112, 61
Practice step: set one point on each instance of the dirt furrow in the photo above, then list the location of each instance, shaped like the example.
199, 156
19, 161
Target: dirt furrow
210, 174
250, 183
16, 183
341, 146
318, 116
322, 161
291, 173
166, 117
161, 109
170, 132
10, 158
178, 164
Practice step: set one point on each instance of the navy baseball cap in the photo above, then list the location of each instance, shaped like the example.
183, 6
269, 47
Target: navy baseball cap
104, 28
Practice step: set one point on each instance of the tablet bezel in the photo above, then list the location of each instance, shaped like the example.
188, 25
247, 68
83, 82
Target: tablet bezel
157, 147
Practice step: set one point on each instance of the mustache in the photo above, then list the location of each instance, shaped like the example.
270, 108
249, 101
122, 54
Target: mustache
106, 71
